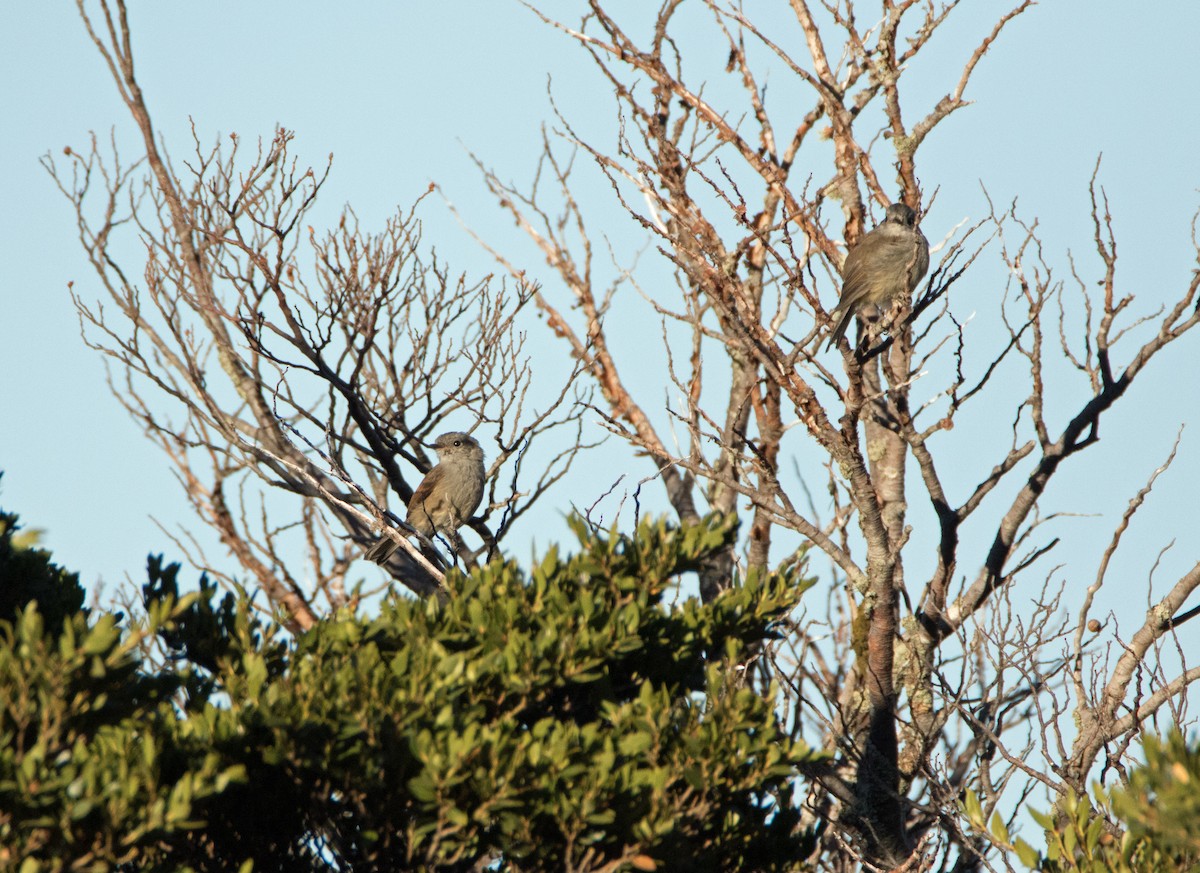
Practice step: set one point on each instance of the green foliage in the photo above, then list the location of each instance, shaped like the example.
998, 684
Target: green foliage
1161, 802
27, 575
90, 773
561, 718
1146, 826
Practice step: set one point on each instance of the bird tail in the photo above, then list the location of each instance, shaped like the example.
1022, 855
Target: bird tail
385, 547
840, 330
381, 551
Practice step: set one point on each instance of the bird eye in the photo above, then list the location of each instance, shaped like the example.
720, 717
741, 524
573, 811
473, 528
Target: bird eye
458, 442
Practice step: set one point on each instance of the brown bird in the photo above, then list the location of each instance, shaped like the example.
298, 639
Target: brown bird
447, 496
885, 265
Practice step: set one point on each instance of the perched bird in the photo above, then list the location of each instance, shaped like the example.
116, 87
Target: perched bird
447, 496
885, 265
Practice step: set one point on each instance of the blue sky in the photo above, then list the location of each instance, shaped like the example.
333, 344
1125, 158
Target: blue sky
400, 91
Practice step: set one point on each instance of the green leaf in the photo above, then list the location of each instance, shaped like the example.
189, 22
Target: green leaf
972, 808
1028, 854
632, 745
422, 788
998, 828
102, 636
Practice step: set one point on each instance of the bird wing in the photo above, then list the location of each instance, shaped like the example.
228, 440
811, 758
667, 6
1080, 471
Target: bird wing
921, 266
854, 277
424, 508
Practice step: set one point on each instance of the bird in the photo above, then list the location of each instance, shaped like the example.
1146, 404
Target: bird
885, 265
447, 496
